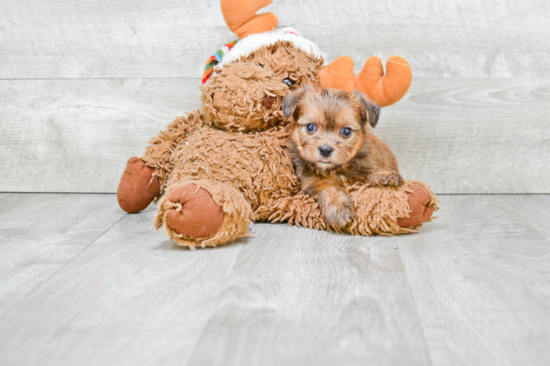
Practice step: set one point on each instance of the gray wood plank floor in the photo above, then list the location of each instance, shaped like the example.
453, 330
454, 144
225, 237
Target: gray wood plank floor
81, 283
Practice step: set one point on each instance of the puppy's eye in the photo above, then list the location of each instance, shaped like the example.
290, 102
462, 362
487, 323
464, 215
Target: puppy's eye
346, 132
311, 127
288, 82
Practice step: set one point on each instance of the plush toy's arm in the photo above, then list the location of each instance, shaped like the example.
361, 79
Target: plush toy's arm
144, 179
158, 154
383, 89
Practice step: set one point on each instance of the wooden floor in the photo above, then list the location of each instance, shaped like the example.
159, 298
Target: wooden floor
82, 283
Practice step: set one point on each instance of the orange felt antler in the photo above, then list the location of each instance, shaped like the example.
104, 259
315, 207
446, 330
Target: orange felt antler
338, 74
241, 17
383, 89
387, 89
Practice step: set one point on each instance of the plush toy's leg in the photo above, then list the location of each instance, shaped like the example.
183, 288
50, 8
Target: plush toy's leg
422, 208
300, 210
391, 210
201, 213
138, 186
379, 210
385, 89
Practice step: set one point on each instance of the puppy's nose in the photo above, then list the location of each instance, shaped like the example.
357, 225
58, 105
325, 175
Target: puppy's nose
325, 150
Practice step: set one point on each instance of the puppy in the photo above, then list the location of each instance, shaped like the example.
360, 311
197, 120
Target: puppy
331, 147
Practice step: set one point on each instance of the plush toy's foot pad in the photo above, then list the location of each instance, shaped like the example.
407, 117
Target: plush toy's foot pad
418, 201
138, 186
199, 216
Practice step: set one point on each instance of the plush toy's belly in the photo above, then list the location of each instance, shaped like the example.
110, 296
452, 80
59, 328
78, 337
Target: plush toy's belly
258, 164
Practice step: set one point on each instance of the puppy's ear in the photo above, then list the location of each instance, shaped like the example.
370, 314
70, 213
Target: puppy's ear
370, 111
290, 103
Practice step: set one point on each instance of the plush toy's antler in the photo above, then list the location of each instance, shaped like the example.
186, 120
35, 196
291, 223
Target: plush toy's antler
389, 88
338, 74
241, 17
383, 89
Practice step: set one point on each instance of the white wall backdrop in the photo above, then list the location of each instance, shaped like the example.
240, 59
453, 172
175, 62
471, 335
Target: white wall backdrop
84, 84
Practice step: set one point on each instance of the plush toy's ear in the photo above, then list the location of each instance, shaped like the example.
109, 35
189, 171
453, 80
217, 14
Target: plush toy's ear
290, 103
240, 16
370, 111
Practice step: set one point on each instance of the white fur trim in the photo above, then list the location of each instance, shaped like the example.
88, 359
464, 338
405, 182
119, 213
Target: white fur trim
253, 42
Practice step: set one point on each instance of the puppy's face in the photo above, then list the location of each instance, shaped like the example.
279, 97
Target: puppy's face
328, 126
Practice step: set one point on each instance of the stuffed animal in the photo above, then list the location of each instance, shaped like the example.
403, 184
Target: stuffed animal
227, 164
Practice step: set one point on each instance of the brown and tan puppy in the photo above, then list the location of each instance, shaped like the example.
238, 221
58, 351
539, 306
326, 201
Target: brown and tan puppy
332, 148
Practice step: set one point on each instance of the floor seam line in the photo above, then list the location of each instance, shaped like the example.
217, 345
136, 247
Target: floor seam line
58, 270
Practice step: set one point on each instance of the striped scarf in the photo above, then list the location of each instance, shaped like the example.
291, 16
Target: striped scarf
216, 59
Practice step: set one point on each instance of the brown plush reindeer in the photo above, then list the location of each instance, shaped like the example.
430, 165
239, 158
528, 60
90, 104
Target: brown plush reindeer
227, 164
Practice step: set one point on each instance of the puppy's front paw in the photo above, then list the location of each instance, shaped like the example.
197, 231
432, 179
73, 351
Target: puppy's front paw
337, 207
385, 178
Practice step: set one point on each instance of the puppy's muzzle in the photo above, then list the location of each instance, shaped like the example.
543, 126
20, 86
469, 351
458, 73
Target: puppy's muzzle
325, 150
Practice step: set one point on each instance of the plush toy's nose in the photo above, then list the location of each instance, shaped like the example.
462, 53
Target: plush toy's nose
268, 101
